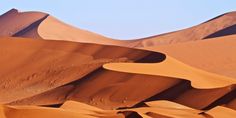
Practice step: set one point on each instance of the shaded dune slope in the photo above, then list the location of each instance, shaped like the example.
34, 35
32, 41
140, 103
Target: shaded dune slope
15, 23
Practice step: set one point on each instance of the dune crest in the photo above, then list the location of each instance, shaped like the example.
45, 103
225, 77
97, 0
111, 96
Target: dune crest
172, 68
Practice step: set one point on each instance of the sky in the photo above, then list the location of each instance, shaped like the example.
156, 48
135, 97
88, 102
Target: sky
126, 19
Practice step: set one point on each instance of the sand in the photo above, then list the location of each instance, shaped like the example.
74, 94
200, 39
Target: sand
51, 69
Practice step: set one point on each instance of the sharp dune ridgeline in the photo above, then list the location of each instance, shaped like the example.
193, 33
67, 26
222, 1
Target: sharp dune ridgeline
51, 69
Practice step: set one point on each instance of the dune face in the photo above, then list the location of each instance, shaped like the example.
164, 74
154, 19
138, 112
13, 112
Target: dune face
74, 73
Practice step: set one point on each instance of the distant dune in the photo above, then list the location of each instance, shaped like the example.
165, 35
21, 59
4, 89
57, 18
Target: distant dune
51, 69
219, 26
43, 26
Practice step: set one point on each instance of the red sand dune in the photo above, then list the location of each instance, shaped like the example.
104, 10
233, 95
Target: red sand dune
105, 79
43, 26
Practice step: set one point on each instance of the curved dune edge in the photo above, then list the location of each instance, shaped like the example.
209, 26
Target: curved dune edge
173, 68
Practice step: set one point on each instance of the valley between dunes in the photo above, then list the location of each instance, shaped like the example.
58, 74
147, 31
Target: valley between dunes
51, 69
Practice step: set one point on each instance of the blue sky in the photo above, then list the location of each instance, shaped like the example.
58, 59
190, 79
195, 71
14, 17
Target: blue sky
127, 19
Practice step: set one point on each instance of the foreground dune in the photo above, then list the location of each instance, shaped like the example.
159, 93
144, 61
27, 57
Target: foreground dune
154, 109
94, 86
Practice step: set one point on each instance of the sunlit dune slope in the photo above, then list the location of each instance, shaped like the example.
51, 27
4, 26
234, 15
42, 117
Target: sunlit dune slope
215, 55
51, 28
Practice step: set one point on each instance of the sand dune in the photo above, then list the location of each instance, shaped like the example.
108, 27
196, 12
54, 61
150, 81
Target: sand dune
75, 73
58, 65
43, 26
219, 26
109, 93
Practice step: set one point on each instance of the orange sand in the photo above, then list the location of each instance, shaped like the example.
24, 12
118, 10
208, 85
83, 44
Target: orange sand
75, 73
